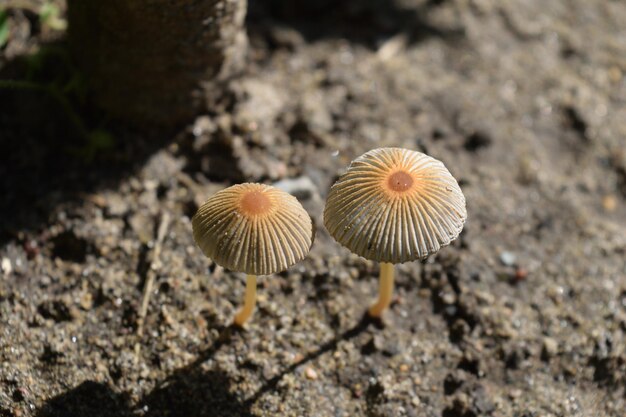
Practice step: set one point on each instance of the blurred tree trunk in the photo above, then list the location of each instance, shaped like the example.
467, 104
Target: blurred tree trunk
156, 61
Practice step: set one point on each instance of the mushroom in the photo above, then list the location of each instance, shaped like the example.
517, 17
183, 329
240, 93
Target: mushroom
253, 228
394, 205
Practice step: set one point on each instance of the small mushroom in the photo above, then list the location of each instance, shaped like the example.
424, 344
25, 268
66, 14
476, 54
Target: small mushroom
253, 228
394, 205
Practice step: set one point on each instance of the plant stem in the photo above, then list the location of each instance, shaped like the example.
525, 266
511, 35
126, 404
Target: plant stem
385, 290
248, 305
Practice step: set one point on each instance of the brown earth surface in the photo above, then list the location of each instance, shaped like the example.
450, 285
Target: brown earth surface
525, 315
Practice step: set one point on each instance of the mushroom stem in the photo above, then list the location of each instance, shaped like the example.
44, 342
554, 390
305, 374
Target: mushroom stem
248, 305
385, 290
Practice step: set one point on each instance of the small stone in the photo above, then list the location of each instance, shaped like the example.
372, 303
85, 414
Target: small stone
116, 206
302, 187
609, 203
286, 37
310, 374
6, 266
615, 74
260, 105
460, 405
481, 402
86, 301
549, 349
508, 258
98, 199
203, 126
143, 226
520, 274
31, 247
448, 298
555, 292
315, 113
161, 168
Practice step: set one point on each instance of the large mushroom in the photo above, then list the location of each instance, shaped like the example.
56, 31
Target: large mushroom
394, 205
253, 228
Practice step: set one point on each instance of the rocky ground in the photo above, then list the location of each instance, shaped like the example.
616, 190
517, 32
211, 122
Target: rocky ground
525, 315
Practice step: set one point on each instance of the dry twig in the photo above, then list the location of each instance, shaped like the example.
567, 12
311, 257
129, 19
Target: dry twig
155, 265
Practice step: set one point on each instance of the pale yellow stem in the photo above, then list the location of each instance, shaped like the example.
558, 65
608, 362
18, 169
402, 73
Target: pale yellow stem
385, 290
249, 302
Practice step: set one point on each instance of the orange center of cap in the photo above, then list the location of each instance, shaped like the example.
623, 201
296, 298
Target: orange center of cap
255, 203
400, 181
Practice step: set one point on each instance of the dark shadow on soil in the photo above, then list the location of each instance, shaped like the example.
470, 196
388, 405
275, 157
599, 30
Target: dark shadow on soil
271, 384
93, 399
194, 394
359, 21
188, 392
183, 375
55, 147
224, 338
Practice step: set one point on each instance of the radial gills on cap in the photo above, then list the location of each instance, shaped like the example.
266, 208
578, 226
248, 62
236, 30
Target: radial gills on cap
253, 228
395, 205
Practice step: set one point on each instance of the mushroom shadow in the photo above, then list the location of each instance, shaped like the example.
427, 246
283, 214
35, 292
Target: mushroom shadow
188, 372
93, 399
272, 383
194, 393
188, 392
360, 21
225, 337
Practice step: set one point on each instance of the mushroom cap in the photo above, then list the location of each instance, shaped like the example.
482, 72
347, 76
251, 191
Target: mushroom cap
395, 205
253, 228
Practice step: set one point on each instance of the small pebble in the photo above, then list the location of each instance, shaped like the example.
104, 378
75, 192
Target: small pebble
6, 266
615, 74
609, 203
86, 301
507, 258
520, 274
550, 348
310, 374
448, 298
302, 187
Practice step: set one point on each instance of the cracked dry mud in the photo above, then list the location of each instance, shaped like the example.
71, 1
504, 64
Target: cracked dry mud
525, 315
